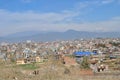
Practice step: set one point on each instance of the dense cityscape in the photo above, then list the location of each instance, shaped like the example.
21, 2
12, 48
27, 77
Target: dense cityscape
97, 55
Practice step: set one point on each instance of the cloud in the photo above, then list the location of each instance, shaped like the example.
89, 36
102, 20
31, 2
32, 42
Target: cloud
22, 21
17, 22
106, 26
12, 22
30, 16
83, 5
107, 1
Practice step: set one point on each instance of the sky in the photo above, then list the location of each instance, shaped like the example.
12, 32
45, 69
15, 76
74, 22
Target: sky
59, 15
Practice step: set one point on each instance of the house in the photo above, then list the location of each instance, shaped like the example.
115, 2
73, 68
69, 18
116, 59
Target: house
20, 61
28, 60
33, 59
38, 59
95, 57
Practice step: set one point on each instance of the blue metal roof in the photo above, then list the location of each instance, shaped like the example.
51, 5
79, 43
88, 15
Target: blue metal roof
83, 53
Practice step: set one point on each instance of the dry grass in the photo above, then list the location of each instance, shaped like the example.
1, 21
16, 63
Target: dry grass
51, 70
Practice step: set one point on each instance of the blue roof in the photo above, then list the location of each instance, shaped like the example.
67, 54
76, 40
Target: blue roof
83, 53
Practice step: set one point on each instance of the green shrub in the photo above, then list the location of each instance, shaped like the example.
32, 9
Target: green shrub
29, 66
85, 64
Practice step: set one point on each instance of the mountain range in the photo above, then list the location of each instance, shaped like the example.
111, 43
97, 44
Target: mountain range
52, 36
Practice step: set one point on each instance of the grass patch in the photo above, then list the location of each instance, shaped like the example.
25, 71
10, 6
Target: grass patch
29, 66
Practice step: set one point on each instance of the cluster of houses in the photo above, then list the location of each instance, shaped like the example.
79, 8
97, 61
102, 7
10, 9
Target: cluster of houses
30, 51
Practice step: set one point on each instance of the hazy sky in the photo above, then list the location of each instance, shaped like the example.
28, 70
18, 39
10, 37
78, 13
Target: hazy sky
59, 15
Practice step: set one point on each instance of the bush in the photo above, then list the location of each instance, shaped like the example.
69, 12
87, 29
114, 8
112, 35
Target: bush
85, 64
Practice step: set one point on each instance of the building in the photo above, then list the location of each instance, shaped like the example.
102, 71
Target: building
20, 61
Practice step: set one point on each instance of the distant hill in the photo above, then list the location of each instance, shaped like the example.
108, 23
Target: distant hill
24, 34
51, 36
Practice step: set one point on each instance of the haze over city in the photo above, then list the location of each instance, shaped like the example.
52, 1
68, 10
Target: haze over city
59, 15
